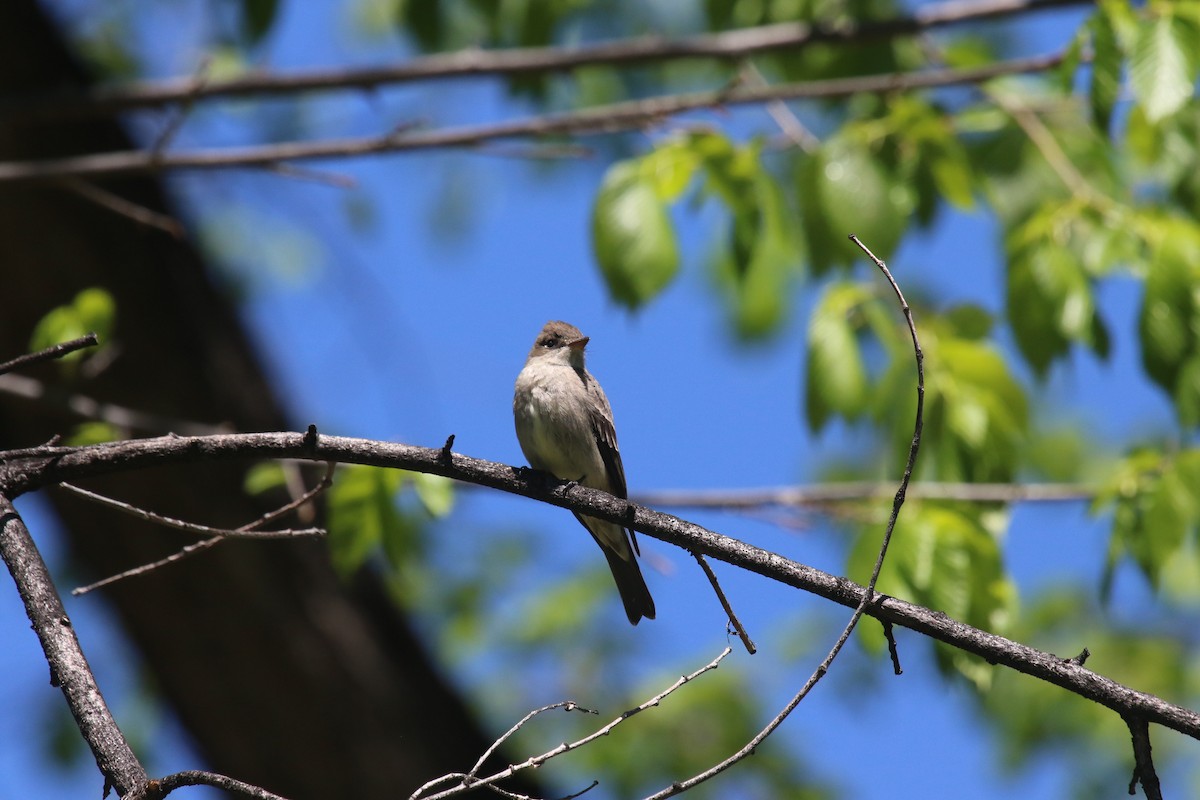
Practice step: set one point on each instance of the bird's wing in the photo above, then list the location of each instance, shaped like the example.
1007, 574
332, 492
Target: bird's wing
606, 441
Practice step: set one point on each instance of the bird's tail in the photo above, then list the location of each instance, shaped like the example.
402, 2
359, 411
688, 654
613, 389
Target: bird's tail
632, 586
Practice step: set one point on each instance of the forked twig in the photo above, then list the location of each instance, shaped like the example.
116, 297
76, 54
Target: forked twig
468, 783
249, 530
868, 595
738, 628
244, 532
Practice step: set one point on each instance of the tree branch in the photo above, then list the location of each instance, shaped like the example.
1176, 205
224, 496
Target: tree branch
612, 118
69, 669
826, 494
65, 463
50, 353
725, 45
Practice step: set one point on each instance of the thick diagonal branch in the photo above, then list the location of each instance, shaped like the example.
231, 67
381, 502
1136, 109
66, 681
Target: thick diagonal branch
72, 463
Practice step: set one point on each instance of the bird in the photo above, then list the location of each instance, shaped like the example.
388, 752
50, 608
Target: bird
565, 427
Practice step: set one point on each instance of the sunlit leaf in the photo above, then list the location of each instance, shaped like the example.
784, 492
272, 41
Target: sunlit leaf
1105, 82
632, 235
835, 382
363, 516
91, 311
1161, 69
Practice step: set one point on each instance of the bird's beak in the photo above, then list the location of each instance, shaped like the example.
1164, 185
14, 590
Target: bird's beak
579, 343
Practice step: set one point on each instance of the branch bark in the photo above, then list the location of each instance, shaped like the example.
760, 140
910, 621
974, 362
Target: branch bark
69, 668
725, 45
612, 118
73, 463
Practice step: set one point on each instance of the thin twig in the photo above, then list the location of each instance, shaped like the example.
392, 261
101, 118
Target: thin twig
566, 705
179, 113
204, 544
537, 761
191, 527
606, 119
158, 788
724, 45
793, 129
50, 353
868, 594
747, 642
89, 408
338, 180
113, 202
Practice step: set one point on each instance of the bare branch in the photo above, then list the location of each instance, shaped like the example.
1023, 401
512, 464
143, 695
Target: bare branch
1143, 769
826, 494
56, 464
124, 208
469, 784
123, 417
69, 669
50, 353
161, 787
726, 45
624, 116
245, 531
868, 594
747, 642
192, 527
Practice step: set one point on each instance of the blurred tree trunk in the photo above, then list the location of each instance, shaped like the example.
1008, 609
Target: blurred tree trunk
285, 676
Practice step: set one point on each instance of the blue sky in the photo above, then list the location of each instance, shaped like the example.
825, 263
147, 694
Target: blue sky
414, 327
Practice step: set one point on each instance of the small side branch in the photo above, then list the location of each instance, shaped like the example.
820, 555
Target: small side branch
868, 594
215, 535
738, 628
467, 782
1143, 760
50, 353
161, 787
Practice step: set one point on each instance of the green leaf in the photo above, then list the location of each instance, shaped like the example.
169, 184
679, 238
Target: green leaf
1049, 303
263, 477
1105, 83
1155, 502
91, 311
363, 515
948, 561
632, 236
1170, 313
969, 321
976, 414
845, 188
87, 433
1161, 69
835, 381
761, 285
670, 167
257, 18
762, 253
435, 492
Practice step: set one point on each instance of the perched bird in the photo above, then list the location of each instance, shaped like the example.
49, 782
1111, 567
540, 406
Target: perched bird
565, 427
